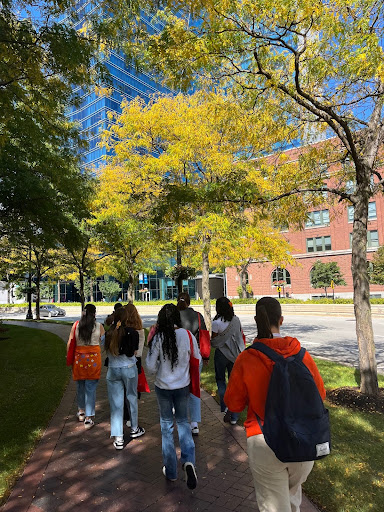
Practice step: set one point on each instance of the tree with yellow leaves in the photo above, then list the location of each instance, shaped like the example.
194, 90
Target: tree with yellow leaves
186, 162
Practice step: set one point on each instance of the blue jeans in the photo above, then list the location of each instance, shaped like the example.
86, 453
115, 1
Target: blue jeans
86, 396
177, 398
223, 365
117, 380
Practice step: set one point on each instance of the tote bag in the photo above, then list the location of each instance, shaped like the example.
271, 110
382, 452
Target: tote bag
72, 348
194, 363
204, 341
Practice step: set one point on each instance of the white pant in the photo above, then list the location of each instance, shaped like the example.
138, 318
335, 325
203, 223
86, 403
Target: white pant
277, 484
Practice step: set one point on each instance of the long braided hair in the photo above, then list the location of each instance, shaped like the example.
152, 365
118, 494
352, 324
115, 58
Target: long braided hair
168, 318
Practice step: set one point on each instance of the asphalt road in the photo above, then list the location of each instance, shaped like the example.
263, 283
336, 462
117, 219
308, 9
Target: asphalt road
330, 337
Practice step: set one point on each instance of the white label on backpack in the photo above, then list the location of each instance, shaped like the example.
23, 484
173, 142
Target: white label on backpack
322, 449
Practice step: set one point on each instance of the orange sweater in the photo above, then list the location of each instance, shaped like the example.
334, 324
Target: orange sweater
249, 381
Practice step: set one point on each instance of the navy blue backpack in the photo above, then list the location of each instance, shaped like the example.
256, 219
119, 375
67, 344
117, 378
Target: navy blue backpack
296, 423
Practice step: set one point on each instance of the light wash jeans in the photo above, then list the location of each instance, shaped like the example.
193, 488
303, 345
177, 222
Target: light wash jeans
167, 399
86, 396
223, 366
117, 379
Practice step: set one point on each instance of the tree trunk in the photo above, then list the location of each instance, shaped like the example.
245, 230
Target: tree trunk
82, 297
58, 291
243, 282
92, 298
179, 280
205, 290
131, 288
364, 330
38, 280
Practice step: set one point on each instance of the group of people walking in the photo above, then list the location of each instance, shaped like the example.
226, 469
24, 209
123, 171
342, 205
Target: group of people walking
172, 343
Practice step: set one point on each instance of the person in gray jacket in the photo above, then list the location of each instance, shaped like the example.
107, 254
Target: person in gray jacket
228, 340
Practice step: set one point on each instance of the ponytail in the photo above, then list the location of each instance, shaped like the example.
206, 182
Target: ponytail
116, 332
268, 314
224, 309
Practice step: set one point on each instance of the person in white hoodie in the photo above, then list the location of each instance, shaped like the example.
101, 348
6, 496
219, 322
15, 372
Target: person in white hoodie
169, 358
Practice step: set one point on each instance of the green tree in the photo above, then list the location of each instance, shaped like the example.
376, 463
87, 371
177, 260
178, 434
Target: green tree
109, 288
376, 272
41, 59
317, 66
322, 275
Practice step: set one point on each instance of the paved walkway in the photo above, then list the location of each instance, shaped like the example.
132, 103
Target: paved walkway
76, 470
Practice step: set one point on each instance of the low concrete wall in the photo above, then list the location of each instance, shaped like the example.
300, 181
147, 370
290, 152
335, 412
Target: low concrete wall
240, 309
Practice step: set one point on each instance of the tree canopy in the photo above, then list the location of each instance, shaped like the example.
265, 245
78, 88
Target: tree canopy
41, 60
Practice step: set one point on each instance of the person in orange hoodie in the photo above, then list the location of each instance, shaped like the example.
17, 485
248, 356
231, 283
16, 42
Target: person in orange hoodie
277, 484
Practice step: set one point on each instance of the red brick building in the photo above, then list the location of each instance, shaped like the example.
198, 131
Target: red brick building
326, 237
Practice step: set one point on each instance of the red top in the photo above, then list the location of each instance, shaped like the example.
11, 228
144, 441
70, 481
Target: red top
249, 381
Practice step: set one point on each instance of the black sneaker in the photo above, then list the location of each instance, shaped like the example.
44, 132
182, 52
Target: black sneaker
227, 416
190, 475
138, 432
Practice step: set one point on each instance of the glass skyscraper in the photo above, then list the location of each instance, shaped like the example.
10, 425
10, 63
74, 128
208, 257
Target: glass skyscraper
125, 83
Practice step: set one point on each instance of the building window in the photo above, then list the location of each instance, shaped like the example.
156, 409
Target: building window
319, 244
280, 276
350, 187
371, 212
317, 218
351, 211
372, 239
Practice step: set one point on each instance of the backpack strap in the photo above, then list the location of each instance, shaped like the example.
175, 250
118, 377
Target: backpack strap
269, 352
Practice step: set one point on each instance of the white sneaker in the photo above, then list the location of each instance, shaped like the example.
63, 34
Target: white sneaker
138, 432
80, 415
165, 474
89, 424
195, 431
118, 443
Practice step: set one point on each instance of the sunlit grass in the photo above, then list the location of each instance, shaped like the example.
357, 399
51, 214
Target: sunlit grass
33, 376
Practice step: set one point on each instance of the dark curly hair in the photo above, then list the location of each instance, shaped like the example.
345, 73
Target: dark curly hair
168, 317
224, 309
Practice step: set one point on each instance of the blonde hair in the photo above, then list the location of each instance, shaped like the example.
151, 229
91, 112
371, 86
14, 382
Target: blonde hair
133, 318
116, 332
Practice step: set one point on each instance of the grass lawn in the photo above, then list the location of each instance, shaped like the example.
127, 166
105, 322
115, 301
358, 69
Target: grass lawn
351, 478
33, 377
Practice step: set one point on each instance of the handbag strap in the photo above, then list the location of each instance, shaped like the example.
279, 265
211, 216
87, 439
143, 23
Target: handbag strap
190, 343
74, 331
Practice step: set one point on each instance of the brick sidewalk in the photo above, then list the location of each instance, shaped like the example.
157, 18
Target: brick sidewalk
77, 470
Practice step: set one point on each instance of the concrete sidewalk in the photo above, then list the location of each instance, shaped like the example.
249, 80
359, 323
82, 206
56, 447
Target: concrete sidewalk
77, 470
